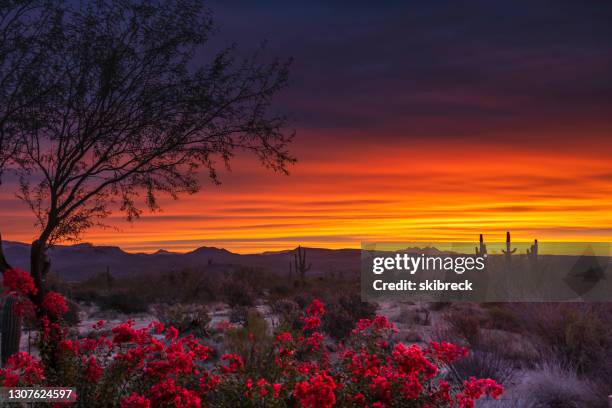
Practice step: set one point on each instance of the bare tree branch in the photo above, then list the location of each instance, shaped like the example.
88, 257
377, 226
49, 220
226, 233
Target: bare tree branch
133, 114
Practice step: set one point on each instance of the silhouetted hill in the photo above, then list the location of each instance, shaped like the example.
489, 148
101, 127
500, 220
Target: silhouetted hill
81, 261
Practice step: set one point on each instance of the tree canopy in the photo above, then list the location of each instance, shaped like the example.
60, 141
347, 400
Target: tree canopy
107, 103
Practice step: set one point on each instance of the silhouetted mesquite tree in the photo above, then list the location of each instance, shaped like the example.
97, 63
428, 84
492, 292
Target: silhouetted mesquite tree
133, 114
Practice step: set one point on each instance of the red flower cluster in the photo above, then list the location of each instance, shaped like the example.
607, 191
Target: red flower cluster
316, 392
154, 367
475, 388
55, 304
21, 369
446, 352
19, 282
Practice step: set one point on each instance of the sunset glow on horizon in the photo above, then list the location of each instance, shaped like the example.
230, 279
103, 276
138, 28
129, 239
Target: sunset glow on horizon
372, 191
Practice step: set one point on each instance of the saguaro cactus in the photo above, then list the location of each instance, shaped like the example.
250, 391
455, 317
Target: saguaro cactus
481, 249
300, 262
10, 321
11, 328
532, 252
508, 252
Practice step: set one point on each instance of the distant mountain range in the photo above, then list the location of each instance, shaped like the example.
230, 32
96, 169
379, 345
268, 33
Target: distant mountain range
82, 261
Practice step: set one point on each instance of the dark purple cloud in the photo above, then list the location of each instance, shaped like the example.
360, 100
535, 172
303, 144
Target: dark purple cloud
446, 69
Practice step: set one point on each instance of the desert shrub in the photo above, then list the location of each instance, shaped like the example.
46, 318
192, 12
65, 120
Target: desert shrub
283, 307
187, 318
123, 302
338, 322
502, 318
578, 335
437, 306
410, 336
419, 316
239, 314
280, 289
518, 350
72, 317
253, 343
287, 313
237, 293
342, 315
303, 299
485, 365
298, 371
464, 325
553, 386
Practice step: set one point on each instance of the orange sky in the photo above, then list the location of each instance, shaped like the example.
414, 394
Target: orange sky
339, 195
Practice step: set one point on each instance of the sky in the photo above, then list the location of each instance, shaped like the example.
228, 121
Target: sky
414, 121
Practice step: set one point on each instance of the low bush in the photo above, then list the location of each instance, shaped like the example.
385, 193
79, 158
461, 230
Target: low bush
342, 315
502, 318
187, 318
465, 325
486, 365
237, 293
577, 334
552, 385
123, 302
72, 317
239, 314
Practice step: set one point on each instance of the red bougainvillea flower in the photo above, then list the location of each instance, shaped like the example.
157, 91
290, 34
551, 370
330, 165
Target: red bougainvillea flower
93, 372
98, 325
125, 333
314, 341
172, 333
316, 308
158, 327
277, 389
19, 281
235, 363
21, 369
412, 360
168, 393
317, 392
446, 352
311, 322
55, 304
24, 307
474, 388
174, 371
135, 401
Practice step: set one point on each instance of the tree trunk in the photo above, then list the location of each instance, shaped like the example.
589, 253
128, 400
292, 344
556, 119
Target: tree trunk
39, 267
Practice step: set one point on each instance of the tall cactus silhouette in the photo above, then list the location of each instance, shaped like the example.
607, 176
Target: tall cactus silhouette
300, 263
508, 251
532, 252
481, 249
